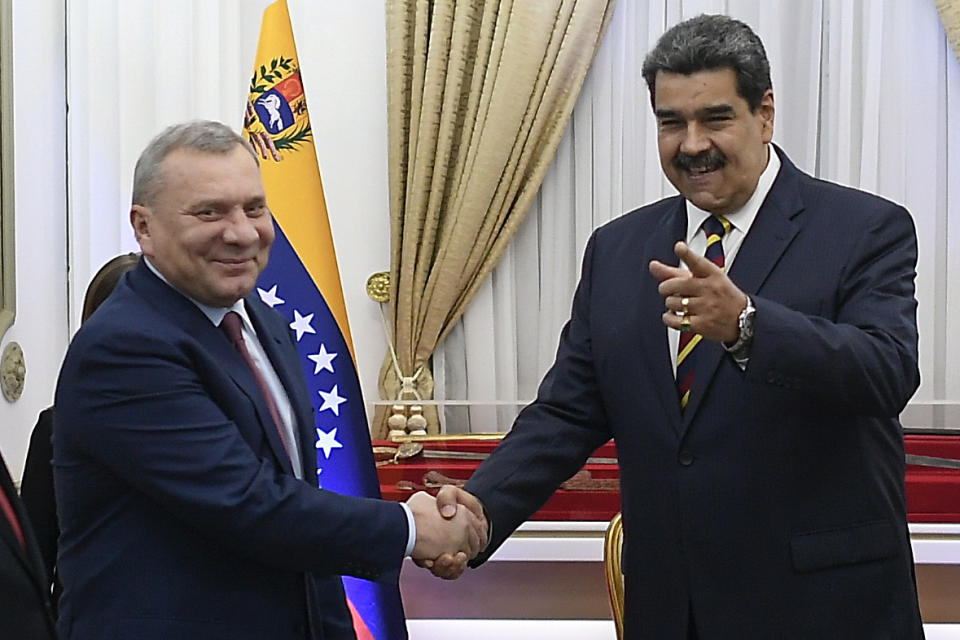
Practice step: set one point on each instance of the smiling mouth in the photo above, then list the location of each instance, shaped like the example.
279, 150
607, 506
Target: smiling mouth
235, 260
234, 263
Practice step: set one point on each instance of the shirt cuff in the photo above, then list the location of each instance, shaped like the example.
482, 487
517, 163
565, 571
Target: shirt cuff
411, 529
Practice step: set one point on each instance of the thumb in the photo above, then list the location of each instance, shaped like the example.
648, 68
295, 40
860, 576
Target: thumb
447, 501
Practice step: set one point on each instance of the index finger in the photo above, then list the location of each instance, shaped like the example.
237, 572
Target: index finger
699, 266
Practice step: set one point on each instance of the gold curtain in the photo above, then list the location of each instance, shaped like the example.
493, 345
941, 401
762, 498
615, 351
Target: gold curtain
950, 15
479, 94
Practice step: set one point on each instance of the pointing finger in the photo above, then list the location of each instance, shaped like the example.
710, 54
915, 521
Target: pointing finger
699, 266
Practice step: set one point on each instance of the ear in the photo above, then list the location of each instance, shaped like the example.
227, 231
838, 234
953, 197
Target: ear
766, 112
140, 219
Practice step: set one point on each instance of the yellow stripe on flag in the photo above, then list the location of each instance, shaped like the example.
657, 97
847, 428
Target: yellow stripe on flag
293, 184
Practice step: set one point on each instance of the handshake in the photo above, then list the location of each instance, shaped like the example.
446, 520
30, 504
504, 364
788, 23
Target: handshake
451, 530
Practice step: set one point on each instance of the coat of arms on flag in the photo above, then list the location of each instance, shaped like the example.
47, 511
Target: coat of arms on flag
277, 106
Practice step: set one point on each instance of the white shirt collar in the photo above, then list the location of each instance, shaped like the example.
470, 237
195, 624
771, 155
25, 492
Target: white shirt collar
214, 314
741, 219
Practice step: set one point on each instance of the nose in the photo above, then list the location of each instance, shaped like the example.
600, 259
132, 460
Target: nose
240, 229
694, 139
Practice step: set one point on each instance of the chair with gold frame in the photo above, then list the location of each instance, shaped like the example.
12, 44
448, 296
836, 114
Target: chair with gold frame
612, 546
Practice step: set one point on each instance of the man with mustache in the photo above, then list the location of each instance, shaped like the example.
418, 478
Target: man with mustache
184, 458
749, 344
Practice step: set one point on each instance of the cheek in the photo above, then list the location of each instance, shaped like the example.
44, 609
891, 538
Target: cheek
666, 150
266, 233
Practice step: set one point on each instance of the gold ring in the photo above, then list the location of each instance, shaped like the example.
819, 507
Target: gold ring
685, 323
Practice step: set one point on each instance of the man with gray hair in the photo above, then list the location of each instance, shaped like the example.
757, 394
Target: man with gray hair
751, 374
184, 462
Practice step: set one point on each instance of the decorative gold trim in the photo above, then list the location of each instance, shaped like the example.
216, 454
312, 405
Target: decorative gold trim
378, 286
8, 262
448, 437
612, 548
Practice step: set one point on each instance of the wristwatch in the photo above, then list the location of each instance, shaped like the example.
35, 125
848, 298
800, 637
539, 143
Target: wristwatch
740, 350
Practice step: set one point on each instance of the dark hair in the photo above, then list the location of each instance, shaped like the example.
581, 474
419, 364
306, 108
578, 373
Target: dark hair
709, 42
200, 135
106, 281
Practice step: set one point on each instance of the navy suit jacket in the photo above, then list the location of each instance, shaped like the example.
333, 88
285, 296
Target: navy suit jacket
25, 609
180, 516
774, 503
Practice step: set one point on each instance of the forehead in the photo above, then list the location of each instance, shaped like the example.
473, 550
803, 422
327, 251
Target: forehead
209, 172
700, 89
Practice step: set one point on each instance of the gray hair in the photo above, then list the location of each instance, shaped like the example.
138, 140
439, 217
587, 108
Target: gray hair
707, 43
201, 135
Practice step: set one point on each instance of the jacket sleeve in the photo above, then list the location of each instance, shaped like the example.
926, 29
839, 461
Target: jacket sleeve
553, 436
141, 407
863, 360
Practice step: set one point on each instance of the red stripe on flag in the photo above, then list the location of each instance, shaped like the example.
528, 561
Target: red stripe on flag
359, 626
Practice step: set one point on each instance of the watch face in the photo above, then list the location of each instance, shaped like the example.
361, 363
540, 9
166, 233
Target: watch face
746, 320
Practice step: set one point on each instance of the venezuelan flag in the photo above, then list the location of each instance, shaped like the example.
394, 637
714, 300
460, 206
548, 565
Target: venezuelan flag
302, 282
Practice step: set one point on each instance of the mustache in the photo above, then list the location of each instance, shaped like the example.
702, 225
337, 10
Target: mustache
710, 158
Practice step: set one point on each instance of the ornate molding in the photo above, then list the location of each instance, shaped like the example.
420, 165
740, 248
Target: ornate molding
13, 372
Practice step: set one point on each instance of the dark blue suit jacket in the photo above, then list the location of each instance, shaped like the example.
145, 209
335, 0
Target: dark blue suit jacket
774, 504
179, 512
25, 611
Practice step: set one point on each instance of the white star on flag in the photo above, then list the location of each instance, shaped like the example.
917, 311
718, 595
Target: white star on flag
322, 360
331, 400
301, 324
327, 440
270, 298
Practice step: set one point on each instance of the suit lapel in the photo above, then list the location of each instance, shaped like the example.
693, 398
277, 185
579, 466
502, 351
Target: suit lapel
770, 234
185, 314
653, 332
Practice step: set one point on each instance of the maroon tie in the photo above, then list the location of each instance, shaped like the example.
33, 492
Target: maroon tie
8, 511
231, 324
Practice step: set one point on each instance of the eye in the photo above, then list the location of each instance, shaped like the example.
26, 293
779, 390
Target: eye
668, 123
206, 214
718, 119
256, 210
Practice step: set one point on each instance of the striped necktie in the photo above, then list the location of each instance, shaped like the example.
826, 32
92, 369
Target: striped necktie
715, 227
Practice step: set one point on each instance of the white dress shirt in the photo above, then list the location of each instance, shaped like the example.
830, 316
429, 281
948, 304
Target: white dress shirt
740, 222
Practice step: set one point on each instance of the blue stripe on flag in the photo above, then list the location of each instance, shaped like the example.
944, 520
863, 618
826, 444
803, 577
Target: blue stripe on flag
345, 460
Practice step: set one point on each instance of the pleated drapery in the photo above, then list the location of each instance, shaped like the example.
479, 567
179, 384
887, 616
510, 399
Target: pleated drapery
950, 14
479, 94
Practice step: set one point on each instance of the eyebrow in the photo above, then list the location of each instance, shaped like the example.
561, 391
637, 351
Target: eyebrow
215, 203
716, 110
713, 110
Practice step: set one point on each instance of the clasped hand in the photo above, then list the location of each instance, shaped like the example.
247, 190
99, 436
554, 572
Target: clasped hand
451, 530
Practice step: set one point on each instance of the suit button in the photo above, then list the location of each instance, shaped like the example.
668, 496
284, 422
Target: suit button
685, 458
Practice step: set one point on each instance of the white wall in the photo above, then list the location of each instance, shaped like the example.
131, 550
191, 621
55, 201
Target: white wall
40, 191
343, 50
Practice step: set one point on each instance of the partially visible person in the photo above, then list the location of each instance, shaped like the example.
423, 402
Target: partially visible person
184, 450
25, 609
36, 486
749, 344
